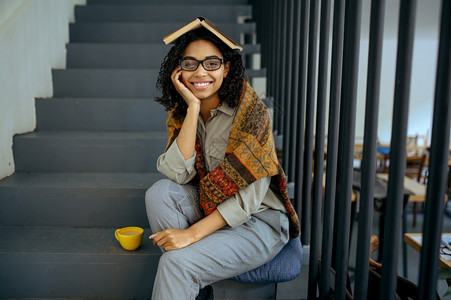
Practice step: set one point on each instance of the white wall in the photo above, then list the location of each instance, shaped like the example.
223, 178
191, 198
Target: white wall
423, 69
424, 66
33, 35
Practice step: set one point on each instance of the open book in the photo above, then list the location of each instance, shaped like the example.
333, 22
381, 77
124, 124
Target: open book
198, 22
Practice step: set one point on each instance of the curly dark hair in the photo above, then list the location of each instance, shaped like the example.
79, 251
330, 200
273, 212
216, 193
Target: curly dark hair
231, 87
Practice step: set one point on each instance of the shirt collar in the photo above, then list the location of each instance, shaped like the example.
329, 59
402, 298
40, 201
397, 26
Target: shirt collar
225, 108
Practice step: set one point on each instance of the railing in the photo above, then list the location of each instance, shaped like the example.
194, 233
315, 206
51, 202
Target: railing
298, 77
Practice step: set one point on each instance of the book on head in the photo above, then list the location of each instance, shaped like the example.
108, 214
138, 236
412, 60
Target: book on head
202, 22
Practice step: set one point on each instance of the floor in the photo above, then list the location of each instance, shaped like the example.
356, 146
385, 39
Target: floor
297, 289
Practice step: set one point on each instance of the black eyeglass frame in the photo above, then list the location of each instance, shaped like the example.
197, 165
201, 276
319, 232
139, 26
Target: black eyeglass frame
445, 250
221, 60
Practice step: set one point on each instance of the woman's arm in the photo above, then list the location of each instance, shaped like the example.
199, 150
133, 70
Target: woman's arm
177, 163
174, 166
186, 138
171, 239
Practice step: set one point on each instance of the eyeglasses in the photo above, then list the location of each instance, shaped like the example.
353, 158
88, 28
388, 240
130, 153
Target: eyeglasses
209, 64
445, 249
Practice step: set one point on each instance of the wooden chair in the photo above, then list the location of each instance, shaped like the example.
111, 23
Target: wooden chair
374, 245
405, 289
416, 162
381, 157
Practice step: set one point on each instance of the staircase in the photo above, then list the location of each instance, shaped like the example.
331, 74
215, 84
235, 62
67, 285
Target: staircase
84, 171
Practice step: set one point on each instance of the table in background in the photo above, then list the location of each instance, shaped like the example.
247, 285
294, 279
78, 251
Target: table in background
415, 240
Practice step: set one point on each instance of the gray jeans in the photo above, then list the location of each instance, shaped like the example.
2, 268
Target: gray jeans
223, 254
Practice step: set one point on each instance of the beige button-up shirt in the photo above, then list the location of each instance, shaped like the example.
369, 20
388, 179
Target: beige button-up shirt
213, 136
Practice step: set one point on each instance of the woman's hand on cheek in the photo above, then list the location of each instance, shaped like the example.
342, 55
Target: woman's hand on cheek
186, 94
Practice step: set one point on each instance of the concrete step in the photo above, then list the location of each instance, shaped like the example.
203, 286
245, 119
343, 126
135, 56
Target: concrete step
112, 83
161, 13
75, 199
172, 2
85, 170
105, 83
136, 32
99, 114
136, 56
39, 262
83, 151
52, 262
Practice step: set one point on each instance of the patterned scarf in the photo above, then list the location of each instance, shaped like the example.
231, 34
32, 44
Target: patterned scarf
250, 155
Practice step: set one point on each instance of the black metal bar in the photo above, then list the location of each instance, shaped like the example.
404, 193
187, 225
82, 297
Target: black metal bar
309, 111
332, 147
404, 245
287, 135
347, 131
398, 149
259, 13
319, 148
300, 124
369, 147
295, 88
281, 74
276, 68
265, 37
272, 59
265, 33
272, 53
272, 82
266, 57
438, 162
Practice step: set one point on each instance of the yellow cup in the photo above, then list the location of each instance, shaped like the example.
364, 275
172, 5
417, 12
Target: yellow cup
130, 238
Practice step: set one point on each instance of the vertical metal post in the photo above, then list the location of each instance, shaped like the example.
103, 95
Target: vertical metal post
271, 55
332, 146
272, 59
305, 218
319, 148
278, 105
295, 88
347, 131
438, 162
260, 16
264, 38
309, 111
257, 12
282, 68
397, 169
287, 135
369, 147
267, 23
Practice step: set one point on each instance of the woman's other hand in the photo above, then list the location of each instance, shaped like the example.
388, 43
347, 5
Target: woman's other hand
172, 239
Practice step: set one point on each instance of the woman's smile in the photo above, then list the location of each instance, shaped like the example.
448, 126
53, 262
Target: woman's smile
201, 85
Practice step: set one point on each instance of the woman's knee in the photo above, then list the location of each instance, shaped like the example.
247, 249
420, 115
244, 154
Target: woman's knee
158, 192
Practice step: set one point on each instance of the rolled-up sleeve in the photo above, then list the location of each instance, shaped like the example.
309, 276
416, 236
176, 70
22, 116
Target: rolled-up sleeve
239, 208
174, 166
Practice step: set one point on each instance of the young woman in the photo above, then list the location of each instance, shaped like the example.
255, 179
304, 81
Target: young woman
224, 208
